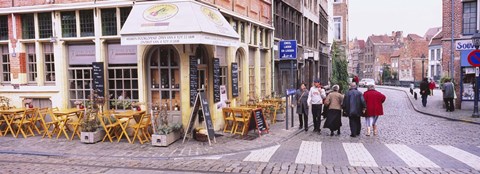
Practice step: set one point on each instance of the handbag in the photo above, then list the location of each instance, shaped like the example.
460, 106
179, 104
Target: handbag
298, 100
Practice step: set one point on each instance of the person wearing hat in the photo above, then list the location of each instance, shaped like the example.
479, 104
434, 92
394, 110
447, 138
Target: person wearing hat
315, 98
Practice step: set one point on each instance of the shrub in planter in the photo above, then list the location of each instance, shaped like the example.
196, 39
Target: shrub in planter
164, 134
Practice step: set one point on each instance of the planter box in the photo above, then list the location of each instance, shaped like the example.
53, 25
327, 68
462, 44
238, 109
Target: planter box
92, 137
165, 140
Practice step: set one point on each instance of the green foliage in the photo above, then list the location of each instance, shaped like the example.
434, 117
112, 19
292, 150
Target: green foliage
395, 75
443, 79
387, 73
340, 68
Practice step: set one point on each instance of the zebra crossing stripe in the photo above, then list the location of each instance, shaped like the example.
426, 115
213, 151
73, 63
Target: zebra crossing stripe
310, 152
262, 155
461, 155
358, 155
410, 156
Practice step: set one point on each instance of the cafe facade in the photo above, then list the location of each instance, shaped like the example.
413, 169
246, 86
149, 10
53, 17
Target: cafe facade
158, 53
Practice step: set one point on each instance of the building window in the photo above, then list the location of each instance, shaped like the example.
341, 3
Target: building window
432, 54
28, 26
122, 85
439, 56
251, 73
254, 34
469, 18
109, 22
45, 24
3, 28
337, 1
242, 32
165, 75
337, 23
124, 12
31, 64
80, 81
69, 24
238, 59
223, 75
86, 23
5, 69
49, 62
263, 72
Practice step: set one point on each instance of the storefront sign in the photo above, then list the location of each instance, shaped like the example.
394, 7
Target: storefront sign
234, 79
201, 101
81, 54
193, 79
122, 54
216, 80
98, 78
464, 45
288, 49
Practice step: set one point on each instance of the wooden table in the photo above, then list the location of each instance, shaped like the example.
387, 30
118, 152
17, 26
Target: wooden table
9, 116
241, 115
127, 116
63, 116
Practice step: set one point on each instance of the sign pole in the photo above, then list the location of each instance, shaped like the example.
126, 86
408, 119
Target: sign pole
286, 112
475, 104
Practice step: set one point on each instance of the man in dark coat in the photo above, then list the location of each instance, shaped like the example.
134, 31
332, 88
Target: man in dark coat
448, 95
301, 97
354, 105
424, 91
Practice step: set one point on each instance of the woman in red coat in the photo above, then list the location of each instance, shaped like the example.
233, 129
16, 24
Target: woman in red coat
431, 86
374, 101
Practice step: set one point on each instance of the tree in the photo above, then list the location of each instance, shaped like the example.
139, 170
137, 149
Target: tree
339, 65
387, 73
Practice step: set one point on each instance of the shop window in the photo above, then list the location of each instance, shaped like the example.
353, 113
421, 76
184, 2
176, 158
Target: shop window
3, 28
124, 12
5, 69
28, 26
86, 23
165, 74
69, 24
251, 73
31, 64
80, 82
109, 22
469, 17
238, 59
45, 24
223, 75
49, 62
122, 85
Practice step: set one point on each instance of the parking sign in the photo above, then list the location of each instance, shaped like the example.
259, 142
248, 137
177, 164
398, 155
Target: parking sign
288, 49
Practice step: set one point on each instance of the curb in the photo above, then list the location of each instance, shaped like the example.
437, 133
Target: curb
426, 113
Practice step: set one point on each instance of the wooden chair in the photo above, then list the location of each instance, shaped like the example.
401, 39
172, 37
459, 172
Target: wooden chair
24, 122
53, 123
40, 120
229, 119
108, 125
141, 129
123, 123
242, 121
76, 125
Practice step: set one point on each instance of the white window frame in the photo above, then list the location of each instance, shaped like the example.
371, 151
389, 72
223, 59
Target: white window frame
337, 1
341, 27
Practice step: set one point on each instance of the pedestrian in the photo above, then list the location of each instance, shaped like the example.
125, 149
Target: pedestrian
302, 106
355, 79
448, 95
315, 98
424, 91
374, 101
431, 86
334, 102
353, 106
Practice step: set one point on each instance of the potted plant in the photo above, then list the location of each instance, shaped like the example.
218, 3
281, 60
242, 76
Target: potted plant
91, 129
136, 106
28, 103
79, 104
4, 102
164, 134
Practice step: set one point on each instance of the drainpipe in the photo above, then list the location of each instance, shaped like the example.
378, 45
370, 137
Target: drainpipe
452, 42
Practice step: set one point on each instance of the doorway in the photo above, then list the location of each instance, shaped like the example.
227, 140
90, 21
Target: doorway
202, 68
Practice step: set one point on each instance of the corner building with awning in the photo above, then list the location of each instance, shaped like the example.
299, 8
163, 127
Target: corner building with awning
149, 51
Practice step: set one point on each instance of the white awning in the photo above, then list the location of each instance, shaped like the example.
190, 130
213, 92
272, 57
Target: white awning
177, 22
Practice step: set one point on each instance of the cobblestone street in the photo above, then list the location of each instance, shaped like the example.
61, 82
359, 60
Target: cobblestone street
408, 142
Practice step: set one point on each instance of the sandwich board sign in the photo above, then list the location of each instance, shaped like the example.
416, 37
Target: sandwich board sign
201, 105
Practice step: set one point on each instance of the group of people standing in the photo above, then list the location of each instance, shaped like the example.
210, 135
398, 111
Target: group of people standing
354, 105
426, 89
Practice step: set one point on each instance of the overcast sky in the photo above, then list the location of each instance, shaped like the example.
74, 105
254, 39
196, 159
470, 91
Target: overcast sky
377, 17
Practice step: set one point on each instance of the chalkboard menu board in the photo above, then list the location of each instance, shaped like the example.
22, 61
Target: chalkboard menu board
201, 101
234, 79
206, 115
260, 121
216, 80
98, 78
193, 116
193, 79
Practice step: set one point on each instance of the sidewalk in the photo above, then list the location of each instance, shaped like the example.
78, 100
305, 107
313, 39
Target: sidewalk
225, 143
435, 106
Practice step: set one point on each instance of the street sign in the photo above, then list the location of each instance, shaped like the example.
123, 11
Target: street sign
288, 49
477, 72
474, 58
291, 91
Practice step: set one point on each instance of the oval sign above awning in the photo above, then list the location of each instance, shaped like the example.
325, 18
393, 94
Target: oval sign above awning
179, 22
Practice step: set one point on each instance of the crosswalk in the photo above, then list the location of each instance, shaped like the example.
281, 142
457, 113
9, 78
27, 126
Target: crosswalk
365, 155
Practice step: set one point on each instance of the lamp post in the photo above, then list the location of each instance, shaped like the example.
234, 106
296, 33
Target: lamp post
476, 43
423, 64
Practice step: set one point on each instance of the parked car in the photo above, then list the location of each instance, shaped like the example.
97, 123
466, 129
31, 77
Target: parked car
366, 82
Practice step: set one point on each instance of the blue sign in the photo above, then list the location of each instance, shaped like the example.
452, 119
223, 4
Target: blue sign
288, 49
291, 91
474, 58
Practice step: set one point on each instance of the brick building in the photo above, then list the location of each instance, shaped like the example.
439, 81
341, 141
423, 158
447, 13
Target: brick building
356, 54
411, 57
340, 22
150, 51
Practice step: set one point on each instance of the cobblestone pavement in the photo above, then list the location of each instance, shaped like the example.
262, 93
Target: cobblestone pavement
408, 142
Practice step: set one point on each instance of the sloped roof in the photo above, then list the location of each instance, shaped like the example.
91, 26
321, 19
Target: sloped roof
414, 37
381, 39
432, 32
437, 39
361, 44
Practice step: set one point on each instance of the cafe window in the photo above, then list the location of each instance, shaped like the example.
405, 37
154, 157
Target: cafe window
223, 75
3, 28
263, 72
5, 68
165, 74
49, 62
86, 23
124, 12
122, 85
80, 81
238, 59
31, 64
69, 24
109, 22
28, 26
45, 24
251, 73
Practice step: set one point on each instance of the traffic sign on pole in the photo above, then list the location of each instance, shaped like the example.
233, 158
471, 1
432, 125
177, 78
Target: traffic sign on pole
474, 58
288, 49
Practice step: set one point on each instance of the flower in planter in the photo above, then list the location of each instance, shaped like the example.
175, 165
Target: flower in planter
28, 103
137, 105
4, 102
160, 122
